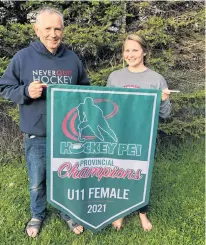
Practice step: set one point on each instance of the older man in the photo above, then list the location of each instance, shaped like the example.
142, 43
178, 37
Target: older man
46, 61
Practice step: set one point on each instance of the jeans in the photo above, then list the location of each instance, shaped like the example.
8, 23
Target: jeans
35, 153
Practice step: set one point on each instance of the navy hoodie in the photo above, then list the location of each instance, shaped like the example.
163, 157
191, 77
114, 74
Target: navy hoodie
37, 63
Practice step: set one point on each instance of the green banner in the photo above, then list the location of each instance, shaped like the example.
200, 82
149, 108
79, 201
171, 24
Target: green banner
100, 151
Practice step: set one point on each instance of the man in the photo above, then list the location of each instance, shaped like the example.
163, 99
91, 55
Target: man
46, 61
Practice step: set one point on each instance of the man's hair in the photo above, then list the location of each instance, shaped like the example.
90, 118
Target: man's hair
51, 11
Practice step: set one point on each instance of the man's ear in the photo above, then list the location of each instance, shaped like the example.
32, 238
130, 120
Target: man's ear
36, 29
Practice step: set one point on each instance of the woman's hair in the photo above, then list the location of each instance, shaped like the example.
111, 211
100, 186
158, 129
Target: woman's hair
142, 42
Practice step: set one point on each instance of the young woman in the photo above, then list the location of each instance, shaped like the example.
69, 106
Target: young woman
138, 75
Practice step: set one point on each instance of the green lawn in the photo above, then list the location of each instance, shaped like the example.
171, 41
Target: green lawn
177, 206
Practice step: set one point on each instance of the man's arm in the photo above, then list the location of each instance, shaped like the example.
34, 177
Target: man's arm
11, 87
83, 79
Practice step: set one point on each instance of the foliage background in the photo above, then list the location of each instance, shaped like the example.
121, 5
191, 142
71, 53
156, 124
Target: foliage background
95, 31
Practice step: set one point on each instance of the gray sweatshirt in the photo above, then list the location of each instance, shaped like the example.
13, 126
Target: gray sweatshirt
146, 79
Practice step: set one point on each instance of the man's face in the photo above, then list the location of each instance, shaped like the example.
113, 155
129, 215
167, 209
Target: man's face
49, 29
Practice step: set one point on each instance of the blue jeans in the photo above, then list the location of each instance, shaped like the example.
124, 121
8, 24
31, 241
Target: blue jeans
35, 153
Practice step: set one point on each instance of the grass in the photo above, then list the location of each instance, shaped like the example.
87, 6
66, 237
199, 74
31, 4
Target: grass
177, 206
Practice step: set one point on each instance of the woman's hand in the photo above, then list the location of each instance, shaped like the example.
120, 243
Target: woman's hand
165, 94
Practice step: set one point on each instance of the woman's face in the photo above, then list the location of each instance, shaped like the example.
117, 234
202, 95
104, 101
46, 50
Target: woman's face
133, 53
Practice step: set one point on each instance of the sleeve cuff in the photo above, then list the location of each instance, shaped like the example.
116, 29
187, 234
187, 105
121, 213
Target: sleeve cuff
26, 91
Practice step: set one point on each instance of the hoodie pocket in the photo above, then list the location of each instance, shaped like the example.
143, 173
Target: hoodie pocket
40, 125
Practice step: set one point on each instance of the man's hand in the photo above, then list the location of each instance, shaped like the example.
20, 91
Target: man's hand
35, 89
165, 94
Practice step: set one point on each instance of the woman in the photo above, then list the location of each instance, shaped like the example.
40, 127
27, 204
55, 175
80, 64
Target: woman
138, 75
